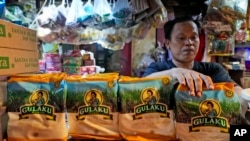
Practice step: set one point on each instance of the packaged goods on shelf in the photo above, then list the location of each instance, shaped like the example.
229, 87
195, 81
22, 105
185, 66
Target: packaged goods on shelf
18, 49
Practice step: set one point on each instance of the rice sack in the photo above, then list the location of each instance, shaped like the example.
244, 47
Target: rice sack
92, 107
145, 112
209, 117
36, 107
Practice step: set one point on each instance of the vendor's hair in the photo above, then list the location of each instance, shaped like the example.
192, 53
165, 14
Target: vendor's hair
168, 27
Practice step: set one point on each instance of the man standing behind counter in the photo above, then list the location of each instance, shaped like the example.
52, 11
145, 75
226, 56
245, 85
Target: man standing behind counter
182, 40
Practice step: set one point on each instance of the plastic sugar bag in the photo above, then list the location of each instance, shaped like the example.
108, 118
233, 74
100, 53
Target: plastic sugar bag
103, 9
36, 107
207, 118
146, 113
92, 106
2, 9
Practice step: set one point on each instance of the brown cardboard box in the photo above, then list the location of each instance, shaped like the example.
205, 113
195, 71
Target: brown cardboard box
18, 49
13, 61
17, 37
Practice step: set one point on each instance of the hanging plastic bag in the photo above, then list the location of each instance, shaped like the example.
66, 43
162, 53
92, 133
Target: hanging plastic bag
88, 7
88, 18
241, 8
75, 11
62, 9
122, 9
103, 9
161, 16
2, 8
49, 14
122, 13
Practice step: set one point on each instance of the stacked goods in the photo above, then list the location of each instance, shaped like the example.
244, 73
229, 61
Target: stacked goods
36, 107
72, 62
221, 23
53, 62
145, 112
92, 108
208, 117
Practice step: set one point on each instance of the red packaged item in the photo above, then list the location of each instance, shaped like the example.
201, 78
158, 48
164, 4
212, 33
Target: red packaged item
52, 57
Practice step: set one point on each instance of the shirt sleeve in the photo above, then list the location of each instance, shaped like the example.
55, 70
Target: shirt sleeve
153, 67
220, 74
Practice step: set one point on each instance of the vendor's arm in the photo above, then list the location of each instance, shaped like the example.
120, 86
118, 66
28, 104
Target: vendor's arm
194, 80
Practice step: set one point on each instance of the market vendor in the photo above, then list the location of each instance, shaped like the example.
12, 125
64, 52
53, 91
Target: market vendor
182, 40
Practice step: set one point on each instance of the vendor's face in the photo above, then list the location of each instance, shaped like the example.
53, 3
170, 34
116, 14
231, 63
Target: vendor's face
184, 43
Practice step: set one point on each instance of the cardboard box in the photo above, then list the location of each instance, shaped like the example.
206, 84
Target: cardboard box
17, 37
13, 61
18, 49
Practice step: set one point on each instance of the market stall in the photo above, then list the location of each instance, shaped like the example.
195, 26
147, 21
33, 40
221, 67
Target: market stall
72, 70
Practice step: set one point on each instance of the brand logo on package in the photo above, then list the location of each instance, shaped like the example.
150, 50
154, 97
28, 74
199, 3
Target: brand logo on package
93, 100
38, 105
4, 63
150, 99
2, 30
210, 111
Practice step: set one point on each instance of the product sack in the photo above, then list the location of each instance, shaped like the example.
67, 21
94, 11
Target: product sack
92, 110
145, 113
207, 118
35, 107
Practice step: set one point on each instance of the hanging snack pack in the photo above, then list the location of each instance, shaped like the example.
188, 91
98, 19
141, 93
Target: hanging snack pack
209, 117
36, 108
145, 112
2, 9
92, 109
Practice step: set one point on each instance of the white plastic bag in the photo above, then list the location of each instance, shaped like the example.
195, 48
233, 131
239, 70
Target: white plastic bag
75, 11
63, 8
103, 9
49, 13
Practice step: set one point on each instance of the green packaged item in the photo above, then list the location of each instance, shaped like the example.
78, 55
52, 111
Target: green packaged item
145, 109
72, 61
92, 109
36, 107
207, 117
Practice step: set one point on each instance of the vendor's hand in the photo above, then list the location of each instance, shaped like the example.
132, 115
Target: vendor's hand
194, 80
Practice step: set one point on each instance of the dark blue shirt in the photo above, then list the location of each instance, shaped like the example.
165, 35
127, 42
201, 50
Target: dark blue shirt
212, 69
